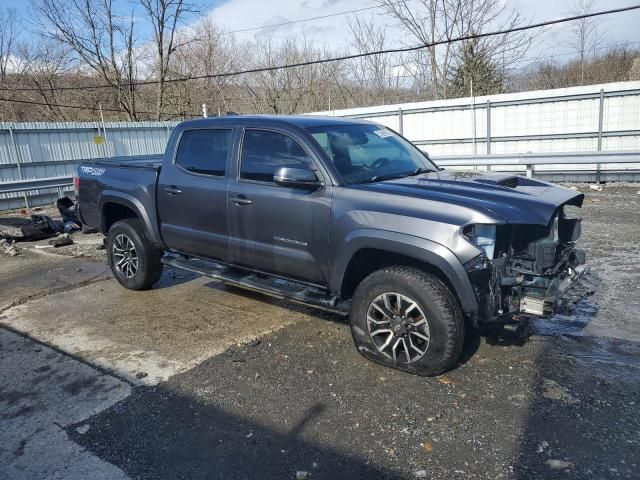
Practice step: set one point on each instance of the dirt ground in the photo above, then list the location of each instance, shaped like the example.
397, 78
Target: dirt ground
196, 380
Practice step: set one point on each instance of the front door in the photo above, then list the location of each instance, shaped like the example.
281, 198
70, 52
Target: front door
277, 229
192, 194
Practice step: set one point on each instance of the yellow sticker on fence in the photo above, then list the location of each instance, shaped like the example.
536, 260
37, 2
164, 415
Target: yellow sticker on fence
98, 140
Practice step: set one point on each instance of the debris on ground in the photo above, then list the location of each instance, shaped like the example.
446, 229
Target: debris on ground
82, 429
428, 446
544, 445
9, 247
52, 227
553, 391
61, 240
558, 464
40, 226
69, 213
596, 187
301, 475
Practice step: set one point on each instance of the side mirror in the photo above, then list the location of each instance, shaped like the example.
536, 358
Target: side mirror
297, 178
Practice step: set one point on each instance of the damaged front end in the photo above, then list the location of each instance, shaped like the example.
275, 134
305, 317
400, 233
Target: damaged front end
528, 269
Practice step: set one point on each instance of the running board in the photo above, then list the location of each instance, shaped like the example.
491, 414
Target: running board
268, 285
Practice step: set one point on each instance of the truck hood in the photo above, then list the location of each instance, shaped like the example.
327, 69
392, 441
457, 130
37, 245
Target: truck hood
513, 198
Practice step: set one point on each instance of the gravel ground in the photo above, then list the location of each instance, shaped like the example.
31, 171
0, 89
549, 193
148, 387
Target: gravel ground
558, 399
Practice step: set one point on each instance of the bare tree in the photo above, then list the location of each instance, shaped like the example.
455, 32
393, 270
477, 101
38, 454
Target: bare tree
430, 21
165, 17
8, 35
43, 64
584, 32
208, 50
99, 38
377, 75
292, 89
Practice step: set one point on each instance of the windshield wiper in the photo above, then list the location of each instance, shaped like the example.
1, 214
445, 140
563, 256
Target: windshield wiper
391, 176
382, 178
419, 171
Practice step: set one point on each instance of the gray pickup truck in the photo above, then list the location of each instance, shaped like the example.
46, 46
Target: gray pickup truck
344, 215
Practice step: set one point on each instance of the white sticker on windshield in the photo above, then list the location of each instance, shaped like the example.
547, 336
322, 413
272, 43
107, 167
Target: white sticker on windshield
383, 133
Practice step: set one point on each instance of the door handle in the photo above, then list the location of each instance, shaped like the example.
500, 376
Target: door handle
241, 200
172, 190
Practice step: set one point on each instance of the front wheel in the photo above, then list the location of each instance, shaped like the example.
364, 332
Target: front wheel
133, 259
407, 319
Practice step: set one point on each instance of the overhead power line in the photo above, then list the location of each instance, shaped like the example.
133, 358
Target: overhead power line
291, 22
342, 57
78, 107
307, 63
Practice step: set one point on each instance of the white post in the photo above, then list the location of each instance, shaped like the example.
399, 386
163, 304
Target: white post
204, 110
473, 112
104, 131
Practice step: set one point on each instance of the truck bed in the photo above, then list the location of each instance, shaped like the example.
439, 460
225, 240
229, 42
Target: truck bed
140, 161
127, 180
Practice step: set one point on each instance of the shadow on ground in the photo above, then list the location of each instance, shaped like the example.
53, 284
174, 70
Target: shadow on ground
176, 436
303, 400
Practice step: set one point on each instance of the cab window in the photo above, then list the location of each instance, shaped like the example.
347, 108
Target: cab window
204, 151
263, 152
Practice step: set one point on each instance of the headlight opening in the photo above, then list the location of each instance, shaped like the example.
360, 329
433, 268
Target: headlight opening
483, 237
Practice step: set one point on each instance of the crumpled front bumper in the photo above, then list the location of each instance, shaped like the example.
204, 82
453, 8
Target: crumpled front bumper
504, 294
562, 293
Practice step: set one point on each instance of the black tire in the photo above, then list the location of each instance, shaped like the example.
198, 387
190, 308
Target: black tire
149, 267
438, 306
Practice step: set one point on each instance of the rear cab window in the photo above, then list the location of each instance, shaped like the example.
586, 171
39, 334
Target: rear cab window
264, 151
205, 151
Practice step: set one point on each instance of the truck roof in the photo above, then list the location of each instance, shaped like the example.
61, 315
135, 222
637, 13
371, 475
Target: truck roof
303, 121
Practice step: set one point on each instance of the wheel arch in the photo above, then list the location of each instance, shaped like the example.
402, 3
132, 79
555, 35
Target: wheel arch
115, 206
369, 250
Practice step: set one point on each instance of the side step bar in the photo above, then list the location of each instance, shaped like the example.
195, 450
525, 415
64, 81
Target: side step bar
268, 285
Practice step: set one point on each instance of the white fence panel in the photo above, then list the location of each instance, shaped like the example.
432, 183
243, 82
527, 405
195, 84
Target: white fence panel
579, 119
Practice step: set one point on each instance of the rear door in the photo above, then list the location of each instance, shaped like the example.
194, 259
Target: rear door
273, 228
192, 193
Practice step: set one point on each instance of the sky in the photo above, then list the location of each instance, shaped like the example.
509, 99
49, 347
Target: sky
333, 32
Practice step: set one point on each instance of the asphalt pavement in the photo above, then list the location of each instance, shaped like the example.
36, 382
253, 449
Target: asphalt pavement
193, 379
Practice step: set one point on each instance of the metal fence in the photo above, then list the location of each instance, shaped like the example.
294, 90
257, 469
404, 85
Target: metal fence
579, 119
534, 133
37, 160
555, 167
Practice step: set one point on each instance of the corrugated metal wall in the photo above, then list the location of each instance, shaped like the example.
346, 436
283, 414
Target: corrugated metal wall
47, 150
580, 119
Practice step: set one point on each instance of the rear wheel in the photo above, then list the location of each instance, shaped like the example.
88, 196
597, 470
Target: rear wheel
133, 259
407, 319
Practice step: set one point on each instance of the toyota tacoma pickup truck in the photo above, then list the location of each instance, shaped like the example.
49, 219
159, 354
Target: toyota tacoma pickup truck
344, 215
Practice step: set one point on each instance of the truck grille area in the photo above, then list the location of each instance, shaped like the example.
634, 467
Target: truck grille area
533, 268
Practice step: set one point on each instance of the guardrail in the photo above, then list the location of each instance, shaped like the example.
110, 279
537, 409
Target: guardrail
20, 186
574, 163
27, 187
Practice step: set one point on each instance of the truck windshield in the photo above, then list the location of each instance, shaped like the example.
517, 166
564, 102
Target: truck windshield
370, 153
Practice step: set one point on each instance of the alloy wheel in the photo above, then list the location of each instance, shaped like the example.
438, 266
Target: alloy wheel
398, 327
125, 257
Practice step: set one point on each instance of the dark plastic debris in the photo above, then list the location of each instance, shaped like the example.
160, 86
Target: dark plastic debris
39, 227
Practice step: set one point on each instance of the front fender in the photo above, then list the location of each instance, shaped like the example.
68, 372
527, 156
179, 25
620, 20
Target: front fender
129, 201
420, 249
